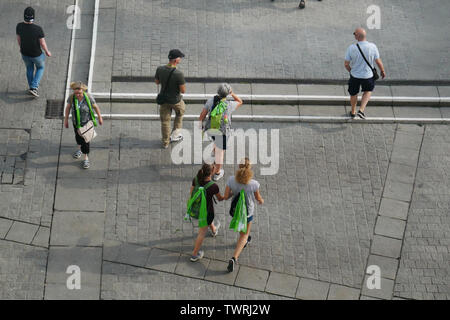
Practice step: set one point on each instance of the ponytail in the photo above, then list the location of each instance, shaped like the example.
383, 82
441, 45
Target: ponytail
204, 172
244, 174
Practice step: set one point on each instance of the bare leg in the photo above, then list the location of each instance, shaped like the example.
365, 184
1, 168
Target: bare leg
199, 240
219, 153
242, 241
353, 103
365, 99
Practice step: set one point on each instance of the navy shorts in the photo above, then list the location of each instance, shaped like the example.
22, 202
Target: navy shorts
250, 219
355, 83
220, 142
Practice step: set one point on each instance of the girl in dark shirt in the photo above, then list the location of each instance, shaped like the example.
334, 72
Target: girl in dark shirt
204, 176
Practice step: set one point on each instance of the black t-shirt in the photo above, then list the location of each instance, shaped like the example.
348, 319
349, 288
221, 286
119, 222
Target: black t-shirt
173, 87
210, 192
29, 39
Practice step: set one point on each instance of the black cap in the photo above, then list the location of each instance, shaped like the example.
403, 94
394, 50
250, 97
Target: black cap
28, 14
175, 53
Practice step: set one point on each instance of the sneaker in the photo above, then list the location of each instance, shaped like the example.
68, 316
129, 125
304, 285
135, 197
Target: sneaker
217, 229
77, 154
85, 164
217, 177
352, 115
198, 256
231, 264
302, 4
177, 138
165, 146
361, 115
249, 239
34, 92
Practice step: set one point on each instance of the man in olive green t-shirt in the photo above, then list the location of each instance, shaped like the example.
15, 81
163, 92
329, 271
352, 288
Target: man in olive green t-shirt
172, 91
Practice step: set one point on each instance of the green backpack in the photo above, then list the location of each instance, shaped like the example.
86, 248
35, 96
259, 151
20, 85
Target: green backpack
238, 211
196, 205
218, 118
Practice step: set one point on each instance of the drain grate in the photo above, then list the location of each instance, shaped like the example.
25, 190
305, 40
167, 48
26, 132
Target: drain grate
54, 109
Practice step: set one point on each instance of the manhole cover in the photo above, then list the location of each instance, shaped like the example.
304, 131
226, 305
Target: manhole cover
54, 109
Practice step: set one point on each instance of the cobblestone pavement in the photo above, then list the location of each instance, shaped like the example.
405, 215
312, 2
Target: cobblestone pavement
263, 39
322, 222
424, 271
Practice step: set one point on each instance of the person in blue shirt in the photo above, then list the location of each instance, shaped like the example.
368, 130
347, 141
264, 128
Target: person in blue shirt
361, 75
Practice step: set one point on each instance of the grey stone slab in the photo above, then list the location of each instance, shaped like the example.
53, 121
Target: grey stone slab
386, 247
111, 249
22, 232
377, 111
444, 92
309, 289
55, 291
252, 278
194, 108
105, 45
385, 292
217, 272
322, 110
42, 237
417, 112
86, 23
187, 268
91, 191
282, 284
414, 91
134, 87
106, 20
103, 69
445, 111
195, 88
401, 173
278, 110
321, 89
388, 266
277, 89
390, 227
162, 260
238, 88
405, 156
406, 140
394, 208
338, 292
89, 261
78, 228
368, 298
411, 128
5, 225
133, 254
398, 190
71, 168
134, 108
101, 86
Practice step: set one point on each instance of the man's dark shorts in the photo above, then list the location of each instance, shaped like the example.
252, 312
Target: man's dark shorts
355, 83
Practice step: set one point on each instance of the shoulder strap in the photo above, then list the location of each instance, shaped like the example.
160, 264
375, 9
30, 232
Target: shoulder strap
167, 82
86, 97
364, 57
209, 184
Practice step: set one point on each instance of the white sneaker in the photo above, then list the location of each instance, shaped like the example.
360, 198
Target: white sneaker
217, 177
177, 138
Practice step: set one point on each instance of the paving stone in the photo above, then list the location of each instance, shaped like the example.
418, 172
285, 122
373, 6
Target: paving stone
217, 272
401, 173
414, 91
134, 108
385, 291
279, 89
417, 112
322, 110
398, 190
388, 266
279, 110
321, 90
133, 254
42, 237
5, 225
88, 259
309, 289
338, 292
394, 208
162, 260
92, 191
195, 88
282, 284
134, 87
78, 229
252, 278
408, 141
22, 232
377, 111
70, 168
386, 247
410, 128
405, 156
105, 45
390, 227
187, 268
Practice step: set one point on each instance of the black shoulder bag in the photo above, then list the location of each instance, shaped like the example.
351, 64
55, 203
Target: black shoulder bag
161, 97
374, 70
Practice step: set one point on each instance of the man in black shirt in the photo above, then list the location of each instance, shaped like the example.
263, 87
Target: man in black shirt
31, 39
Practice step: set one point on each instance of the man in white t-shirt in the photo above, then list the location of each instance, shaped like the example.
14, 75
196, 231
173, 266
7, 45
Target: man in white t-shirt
361, 75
